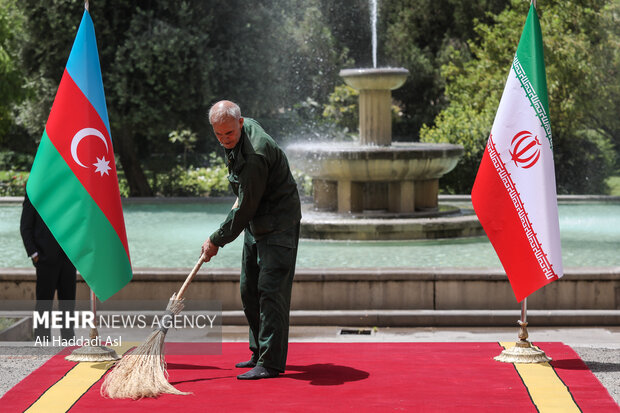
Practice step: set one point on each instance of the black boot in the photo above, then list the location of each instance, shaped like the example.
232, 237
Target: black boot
259, 372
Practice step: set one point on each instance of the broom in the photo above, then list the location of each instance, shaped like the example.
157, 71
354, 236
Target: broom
142, 373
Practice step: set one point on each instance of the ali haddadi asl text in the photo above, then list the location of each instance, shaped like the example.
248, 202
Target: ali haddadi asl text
86, 319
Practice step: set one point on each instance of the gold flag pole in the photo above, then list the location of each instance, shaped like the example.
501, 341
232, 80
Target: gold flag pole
523, 351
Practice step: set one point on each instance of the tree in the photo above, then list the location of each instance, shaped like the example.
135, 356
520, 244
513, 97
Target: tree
349, 24
583, 66
275, 55
315, 53
160, 80
187, 139
165, 62
11, 80
155, 67
420, 35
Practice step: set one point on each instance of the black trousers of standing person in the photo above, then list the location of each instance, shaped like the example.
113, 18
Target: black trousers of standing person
55, 276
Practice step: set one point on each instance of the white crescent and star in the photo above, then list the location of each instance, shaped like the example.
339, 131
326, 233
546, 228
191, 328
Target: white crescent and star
102, 165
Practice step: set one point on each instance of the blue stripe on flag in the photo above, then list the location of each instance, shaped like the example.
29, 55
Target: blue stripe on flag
83, 67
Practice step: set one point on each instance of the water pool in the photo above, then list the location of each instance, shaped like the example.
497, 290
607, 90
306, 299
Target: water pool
170, 235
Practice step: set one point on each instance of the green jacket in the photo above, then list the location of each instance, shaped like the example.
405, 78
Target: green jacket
260, 176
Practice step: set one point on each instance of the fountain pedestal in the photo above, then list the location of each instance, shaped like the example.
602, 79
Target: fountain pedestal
375, 101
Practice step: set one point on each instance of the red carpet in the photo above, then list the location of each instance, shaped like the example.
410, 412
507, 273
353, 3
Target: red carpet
424, 377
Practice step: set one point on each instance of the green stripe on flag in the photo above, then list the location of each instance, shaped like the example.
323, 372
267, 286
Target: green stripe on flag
529, 66
531, 56
77, 223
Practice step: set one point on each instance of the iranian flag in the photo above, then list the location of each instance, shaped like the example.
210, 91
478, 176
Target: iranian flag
514, 193
73, 183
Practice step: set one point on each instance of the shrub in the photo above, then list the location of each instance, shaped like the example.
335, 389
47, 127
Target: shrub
342, 107
209, 181
13, 183
10, 160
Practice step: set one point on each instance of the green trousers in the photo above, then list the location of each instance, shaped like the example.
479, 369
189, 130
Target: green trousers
267, 270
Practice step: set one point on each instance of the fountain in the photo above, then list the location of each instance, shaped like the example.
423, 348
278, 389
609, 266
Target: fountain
378, 189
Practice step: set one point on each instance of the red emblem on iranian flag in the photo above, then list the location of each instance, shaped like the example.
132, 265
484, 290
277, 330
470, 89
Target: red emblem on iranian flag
525, 149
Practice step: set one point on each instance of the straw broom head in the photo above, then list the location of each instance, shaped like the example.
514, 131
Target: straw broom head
142, 373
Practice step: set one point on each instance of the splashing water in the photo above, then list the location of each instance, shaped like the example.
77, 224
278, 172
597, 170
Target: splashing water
373, 27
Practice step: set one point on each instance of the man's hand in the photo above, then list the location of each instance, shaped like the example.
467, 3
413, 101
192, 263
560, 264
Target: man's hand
208, 250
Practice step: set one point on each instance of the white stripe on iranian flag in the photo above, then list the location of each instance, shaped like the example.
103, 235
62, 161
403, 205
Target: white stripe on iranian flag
522, 139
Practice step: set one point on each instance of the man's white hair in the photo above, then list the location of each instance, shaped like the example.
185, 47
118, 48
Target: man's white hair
223, 111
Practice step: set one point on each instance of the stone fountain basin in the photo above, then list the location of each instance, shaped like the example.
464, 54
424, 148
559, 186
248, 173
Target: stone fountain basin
398, 162
383, 78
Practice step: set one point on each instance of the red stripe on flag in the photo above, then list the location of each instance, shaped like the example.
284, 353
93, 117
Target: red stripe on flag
500, 220
71, 113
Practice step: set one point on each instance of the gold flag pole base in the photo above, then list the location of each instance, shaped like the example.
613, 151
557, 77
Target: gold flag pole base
523, 351
91, 352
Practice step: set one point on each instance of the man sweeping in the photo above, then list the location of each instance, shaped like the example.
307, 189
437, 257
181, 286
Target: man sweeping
269, 211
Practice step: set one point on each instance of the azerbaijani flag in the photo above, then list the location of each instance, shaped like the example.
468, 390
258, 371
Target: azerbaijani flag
73, 183
514, 194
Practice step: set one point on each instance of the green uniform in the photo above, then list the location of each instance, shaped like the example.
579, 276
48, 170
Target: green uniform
269, 211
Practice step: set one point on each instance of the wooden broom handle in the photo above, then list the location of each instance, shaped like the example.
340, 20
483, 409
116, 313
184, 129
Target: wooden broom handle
190, 277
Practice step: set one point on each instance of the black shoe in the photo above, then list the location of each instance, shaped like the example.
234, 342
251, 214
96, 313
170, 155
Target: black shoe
259, 372
246, 364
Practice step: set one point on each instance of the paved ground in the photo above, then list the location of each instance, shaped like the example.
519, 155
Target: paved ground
599, 348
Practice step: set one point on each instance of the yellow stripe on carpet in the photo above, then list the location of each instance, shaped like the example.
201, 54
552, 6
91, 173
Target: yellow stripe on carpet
546, 389
68, 390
